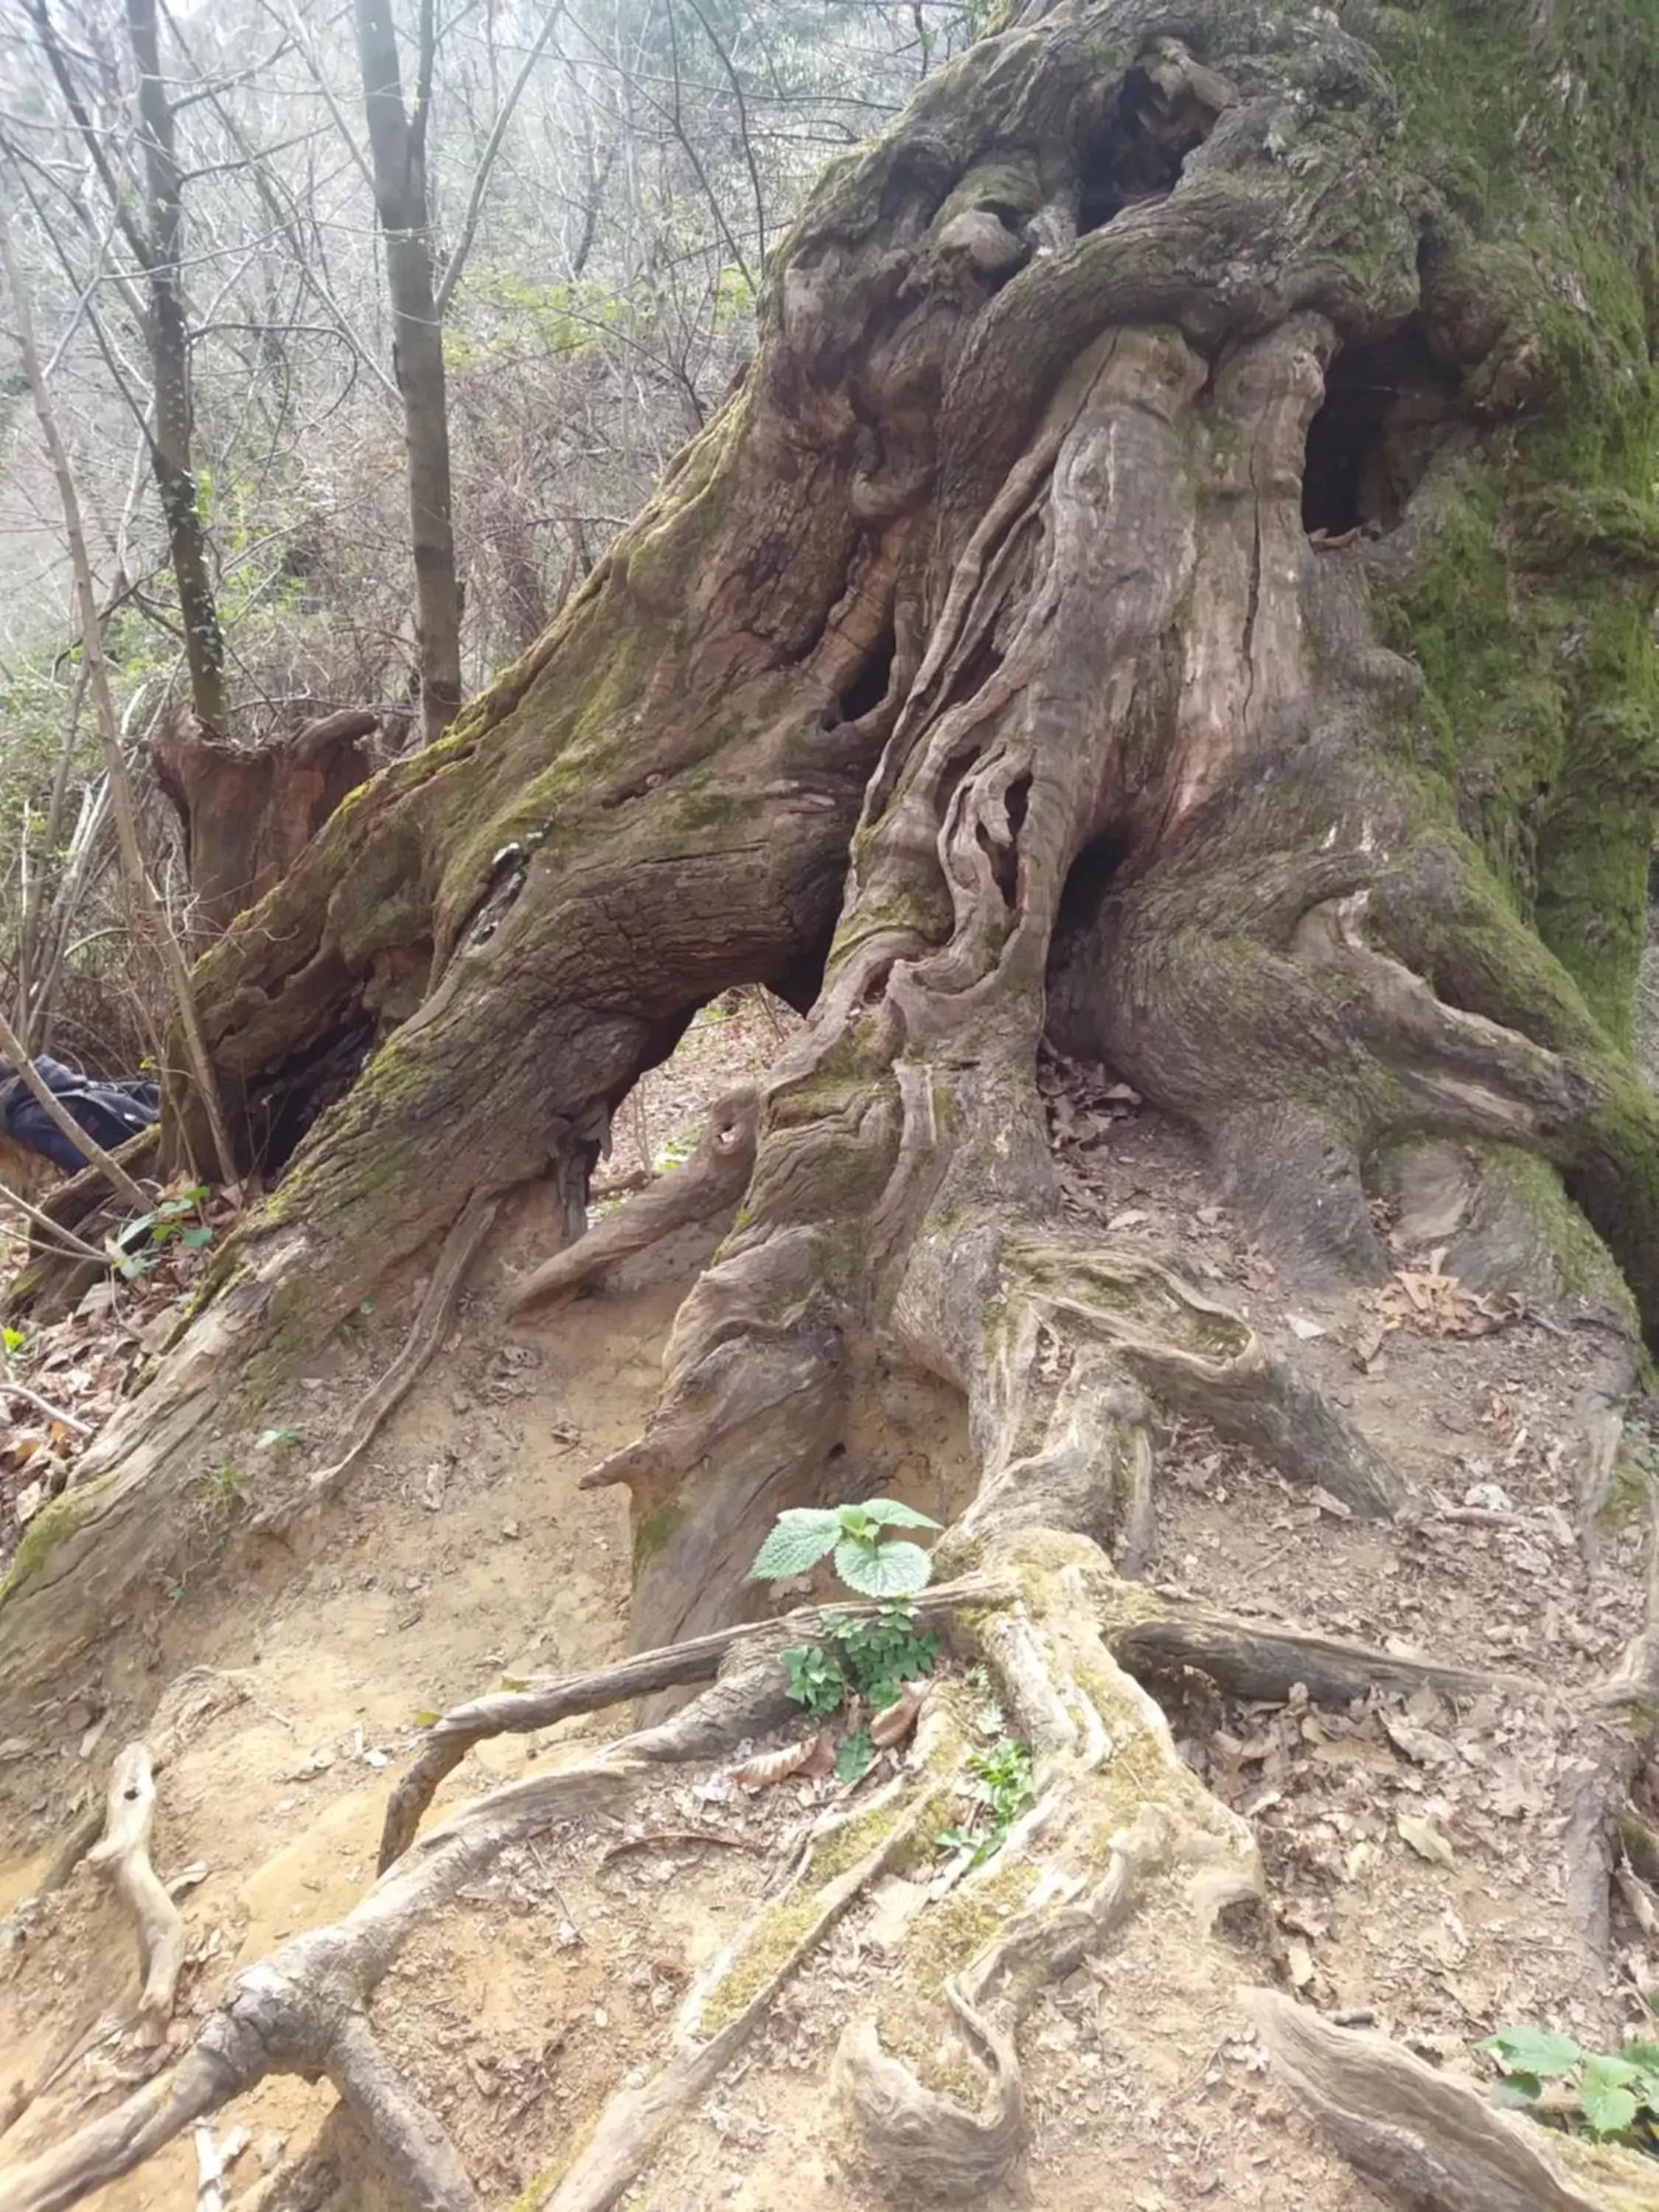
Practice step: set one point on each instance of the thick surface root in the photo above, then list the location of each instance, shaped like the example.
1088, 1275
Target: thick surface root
711, 1181
1430, 2144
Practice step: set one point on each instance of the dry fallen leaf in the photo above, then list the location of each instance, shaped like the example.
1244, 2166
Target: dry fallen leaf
767, 1767
894, 1722
1420, 1744
1424, 1838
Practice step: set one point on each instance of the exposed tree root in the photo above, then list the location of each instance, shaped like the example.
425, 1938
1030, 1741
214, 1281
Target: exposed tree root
724, 2008
1430, 2144
460, 1246
1624, 1724
521, 1712
300, 2009
710, 1181
122, 1856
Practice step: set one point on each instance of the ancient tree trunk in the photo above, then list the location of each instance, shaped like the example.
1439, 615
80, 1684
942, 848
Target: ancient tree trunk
248, 812
397, 144
1178, 577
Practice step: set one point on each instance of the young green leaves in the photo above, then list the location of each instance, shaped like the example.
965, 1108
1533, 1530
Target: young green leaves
867, 1561
1615, 2091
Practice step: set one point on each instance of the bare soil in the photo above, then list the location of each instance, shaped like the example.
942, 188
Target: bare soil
1415, 1854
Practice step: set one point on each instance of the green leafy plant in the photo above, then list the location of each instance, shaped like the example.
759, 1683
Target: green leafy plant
881, 1652
160, 1227
1607, 2093
815, 1678
867, 1561
871, 1656
1002, 1786
854, 1760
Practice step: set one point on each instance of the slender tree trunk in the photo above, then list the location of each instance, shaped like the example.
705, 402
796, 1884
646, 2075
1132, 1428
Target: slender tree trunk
397, 142
168, 330
147, 913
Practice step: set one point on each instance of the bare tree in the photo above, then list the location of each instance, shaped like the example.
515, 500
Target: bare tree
420, 292
155, 240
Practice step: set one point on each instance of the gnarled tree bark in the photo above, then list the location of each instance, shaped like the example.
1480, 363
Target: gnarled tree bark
1176, 578
1002, 548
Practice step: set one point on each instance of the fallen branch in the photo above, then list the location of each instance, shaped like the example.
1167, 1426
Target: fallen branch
1247, 1661
521, 1713
122, 1856
43, 1406
65, 1242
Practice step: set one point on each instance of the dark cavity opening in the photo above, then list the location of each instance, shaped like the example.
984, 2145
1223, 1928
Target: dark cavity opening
307, 1085
869, 687
1388, 405
1087, 883
1005, 857
1136, 150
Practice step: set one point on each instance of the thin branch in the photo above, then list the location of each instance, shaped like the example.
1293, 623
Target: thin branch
126, 819
71, 1246
44, 1405
457, 260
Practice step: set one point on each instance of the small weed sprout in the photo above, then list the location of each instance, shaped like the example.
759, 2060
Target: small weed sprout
1610, 2094
224, 1489
1001, 1788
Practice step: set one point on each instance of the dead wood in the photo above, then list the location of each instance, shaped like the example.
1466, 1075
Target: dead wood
248, 812
1430, 2142
1247, 1660
122, 1856
213, 2163
712, 1179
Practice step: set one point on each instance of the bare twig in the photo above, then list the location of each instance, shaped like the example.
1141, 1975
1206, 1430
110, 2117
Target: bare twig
457, 261
466, 1234
120, 783
44, 1405
66, 1241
